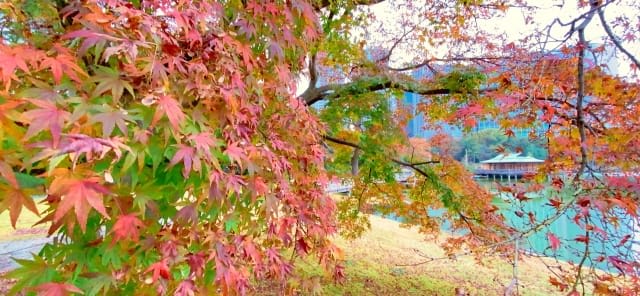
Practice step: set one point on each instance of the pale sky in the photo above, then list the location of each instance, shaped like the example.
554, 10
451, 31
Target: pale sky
514, 26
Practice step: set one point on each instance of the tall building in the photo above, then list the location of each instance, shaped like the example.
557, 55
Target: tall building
604, 57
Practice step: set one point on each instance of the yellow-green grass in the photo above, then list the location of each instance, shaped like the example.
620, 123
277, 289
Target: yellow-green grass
372, 268
24, 227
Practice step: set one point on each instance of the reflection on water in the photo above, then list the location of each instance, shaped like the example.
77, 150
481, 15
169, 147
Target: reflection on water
517, 215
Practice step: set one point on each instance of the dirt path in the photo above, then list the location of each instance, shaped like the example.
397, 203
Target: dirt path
20, 249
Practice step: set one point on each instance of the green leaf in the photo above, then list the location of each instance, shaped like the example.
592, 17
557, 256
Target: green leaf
111, 257
101, 283
54, 162
29, 181
31, 273
231, 224
109, 80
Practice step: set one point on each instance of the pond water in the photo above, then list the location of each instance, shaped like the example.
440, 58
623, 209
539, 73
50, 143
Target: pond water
563, 227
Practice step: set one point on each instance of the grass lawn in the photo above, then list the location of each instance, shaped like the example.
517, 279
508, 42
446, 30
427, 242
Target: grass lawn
371, 269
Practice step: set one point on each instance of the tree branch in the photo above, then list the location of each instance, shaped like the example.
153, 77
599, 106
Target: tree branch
614, 39
325, 3
413, 166
370, 84
581, 93
313, 72
428, 62
395, 44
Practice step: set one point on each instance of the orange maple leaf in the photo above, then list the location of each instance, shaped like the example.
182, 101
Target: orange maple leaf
79, 194
13, 200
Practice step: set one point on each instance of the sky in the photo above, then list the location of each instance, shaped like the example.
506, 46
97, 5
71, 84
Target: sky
513, 24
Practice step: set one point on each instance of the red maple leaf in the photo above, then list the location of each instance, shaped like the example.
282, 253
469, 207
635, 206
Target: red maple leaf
171, 108
127, 227
560, 285
12, 58
235, 153
509, 133
554, 242
47, 117
56, 289
79, 194
555, 203
582, 239
187, 155
62, 63
159, 269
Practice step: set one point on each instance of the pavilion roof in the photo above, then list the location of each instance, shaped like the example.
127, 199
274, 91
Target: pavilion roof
512, 158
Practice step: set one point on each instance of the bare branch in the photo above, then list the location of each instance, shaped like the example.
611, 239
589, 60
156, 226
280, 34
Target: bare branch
325, 3
395, 44
615, 39
428, 62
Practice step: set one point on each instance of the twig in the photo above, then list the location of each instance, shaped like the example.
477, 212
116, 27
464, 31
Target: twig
614, 39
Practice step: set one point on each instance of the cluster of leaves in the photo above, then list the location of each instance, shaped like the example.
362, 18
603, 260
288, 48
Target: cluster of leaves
171, 156
583, 115
163, 135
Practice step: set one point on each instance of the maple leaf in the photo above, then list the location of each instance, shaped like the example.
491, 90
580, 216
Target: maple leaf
555, 203
159, 269
127, 227
187, 155
111, 119
56, 289
235, 153
623, 240
12, 59
186, 288
62, 63
554, 242
509, 133
339, 273
196, 262
79, 144
582, 239
251, 251
91, 38
47, 117
555, 282
14, 199
6, 172
109, 80
171, 108
79, 194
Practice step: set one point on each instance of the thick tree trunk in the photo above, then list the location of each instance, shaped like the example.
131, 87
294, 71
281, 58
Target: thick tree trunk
355, 165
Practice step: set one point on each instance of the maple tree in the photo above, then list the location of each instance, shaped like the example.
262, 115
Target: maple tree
173, 153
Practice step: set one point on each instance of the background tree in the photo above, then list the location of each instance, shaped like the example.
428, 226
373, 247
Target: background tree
487, 143
174, 155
